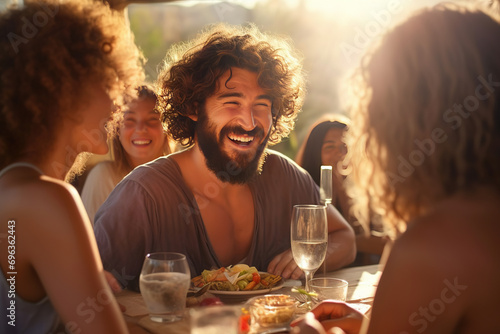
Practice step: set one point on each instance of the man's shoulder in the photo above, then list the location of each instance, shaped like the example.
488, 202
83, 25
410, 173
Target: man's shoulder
277, 161
281, 175
279, 169
153, 177
161, 167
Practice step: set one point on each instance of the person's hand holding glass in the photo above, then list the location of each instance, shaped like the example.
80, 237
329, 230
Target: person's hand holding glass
309, 238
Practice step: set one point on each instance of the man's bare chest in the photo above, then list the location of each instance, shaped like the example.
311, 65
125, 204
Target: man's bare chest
229, 227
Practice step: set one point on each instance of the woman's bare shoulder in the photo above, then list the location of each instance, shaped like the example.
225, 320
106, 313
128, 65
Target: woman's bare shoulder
446, 260
460, 237
48, 217
43, 201
462, 221
47, 192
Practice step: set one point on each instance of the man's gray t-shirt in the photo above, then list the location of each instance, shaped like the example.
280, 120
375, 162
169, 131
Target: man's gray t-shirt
153, 210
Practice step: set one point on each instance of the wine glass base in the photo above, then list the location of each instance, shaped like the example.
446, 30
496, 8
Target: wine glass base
165, 318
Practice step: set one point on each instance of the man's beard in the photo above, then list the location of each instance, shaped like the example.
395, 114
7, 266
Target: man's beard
238, 170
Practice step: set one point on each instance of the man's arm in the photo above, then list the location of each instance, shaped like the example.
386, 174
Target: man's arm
341, 239
341, 249
123, 234
340, 252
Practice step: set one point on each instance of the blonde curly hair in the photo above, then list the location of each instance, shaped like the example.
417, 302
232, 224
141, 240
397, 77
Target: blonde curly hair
50, 55
191, 72
427, 114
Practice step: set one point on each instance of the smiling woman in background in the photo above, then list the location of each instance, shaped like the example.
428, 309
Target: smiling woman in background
138, 138
57, 91
324, 145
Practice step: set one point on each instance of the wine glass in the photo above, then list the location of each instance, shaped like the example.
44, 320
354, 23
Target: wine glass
164, 282
325, 189
309, 238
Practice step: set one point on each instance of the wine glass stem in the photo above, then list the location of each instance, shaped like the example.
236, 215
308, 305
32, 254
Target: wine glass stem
309, 275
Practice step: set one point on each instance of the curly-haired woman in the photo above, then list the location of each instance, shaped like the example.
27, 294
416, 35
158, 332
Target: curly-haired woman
63, 65
425, 155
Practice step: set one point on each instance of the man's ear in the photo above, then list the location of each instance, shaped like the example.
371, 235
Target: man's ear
194, 117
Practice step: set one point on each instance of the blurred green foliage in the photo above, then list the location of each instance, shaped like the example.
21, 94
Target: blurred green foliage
157, 26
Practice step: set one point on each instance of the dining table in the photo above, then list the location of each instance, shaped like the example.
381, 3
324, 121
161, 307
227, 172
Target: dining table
362, 280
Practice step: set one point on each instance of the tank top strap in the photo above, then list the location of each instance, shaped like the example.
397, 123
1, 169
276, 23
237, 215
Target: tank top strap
20, 164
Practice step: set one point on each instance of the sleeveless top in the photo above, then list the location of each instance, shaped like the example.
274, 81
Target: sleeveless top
21, 316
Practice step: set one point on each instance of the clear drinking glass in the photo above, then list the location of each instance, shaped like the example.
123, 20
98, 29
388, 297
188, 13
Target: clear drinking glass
330, 288
215, 319
309, 238
164, 282
325, 189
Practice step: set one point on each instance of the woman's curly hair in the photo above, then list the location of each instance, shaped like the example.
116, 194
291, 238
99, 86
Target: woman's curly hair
427, 121
50, 54
191, 72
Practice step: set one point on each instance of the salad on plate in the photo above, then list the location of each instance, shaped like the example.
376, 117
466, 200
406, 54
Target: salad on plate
239, 277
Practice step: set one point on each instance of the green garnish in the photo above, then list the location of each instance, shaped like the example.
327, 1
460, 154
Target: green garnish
304, 292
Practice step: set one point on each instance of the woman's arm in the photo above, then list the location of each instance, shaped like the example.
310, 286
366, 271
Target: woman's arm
63, 252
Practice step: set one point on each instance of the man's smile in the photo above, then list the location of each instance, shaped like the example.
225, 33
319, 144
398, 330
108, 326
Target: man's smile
243, 140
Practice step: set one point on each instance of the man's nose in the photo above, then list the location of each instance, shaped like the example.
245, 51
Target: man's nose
247, 119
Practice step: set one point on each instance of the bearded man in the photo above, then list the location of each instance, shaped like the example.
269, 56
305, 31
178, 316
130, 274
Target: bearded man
226, 198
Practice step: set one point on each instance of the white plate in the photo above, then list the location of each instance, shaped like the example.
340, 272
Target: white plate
248, 292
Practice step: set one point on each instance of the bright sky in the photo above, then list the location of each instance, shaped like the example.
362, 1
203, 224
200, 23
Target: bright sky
356, 8
342, 9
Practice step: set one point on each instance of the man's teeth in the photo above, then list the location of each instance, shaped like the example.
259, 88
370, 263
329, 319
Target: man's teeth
243, 139
141, 142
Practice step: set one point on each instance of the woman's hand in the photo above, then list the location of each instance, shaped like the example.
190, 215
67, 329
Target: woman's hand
333, 315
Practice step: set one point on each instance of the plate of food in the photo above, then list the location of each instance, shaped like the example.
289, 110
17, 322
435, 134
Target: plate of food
238, 280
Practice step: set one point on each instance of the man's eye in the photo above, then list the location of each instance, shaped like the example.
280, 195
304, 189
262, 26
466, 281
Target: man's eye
232, 102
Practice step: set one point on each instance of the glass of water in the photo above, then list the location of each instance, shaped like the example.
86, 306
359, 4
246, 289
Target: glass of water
309, 238
164, 282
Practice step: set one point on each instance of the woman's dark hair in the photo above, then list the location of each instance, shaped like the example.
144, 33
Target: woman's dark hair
309, 155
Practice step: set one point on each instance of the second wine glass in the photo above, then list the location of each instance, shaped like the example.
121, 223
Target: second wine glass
309, 238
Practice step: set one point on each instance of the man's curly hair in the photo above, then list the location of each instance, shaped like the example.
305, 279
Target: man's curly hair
192, 70
51, 53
